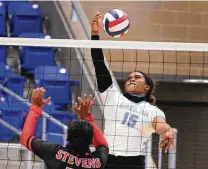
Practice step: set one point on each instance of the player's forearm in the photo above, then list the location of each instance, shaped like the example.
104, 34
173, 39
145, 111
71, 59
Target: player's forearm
161, 127
103, 76
29, 126
99, 139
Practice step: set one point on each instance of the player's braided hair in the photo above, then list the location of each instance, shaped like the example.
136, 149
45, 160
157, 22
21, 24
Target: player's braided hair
80, 135
149, 95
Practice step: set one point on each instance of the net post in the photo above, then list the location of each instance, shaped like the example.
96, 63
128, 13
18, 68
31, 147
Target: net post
148, 159
160, 155
29, 160
44, 128
172, 153
43, 166
65, 136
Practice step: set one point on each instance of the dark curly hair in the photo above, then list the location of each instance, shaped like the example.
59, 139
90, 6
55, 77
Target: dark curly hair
80, 135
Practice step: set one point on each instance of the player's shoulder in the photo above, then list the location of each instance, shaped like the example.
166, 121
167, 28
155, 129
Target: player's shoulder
147, 104
101, 149
150, 107
100, 156
100, 152
155, 111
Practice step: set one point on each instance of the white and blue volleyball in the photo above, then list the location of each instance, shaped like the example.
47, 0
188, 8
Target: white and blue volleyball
116, 23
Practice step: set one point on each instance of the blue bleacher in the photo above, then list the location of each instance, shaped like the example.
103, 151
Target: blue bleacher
14, 119
3, 53
6, 3
5, 71
56, 134
12, 112
25, 21
24, 17
61, 116
56, 82
55, 138
15, 110
16, 84
40, 56
12, 6
3, 31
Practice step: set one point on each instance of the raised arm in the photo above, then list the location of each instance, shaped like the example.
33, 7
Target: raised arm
83, 109
164, 130
103, 76
45, 150
29, 126
32, 117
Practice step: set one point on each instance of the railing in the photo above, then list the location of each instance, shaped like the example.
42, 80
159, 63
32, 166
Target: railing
45, 115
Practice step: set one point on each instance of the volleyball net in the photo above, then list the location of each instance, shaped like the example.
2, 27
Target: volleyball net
183, 63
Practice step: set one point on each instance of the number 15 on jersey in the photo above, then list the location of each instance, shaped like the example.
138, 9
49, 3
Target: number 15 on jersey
130, 119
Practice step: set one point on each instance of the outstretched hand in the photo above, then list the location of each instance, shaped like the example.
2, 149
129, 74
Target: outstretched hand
168, 140
84, 106
37, 97
96, 23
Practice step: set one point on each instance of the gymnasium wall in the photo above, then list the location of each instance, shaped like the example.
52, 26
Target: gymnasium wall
191, 122
159, 21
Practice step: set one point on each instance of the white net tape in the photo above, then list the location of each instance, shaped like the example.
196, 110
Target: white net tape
138, 45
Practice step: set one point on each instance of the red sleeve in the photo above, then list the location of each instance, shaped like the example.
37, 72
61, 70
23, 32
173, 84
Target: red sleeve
29, 126
99, 139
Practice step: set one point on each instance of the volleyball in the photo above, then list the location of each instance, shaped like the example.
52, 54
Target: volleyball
116, 23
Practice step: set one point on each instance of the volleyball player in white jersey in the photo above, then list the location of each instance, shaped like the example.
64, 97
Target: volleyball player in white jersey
130, 118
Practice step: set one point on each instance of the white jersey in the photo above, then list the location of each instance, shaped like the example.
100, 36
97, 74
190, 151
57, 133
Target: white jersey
127, 124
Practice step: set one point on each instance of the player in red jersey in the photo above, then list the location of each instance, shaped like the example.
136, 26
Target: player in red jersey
81, 134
